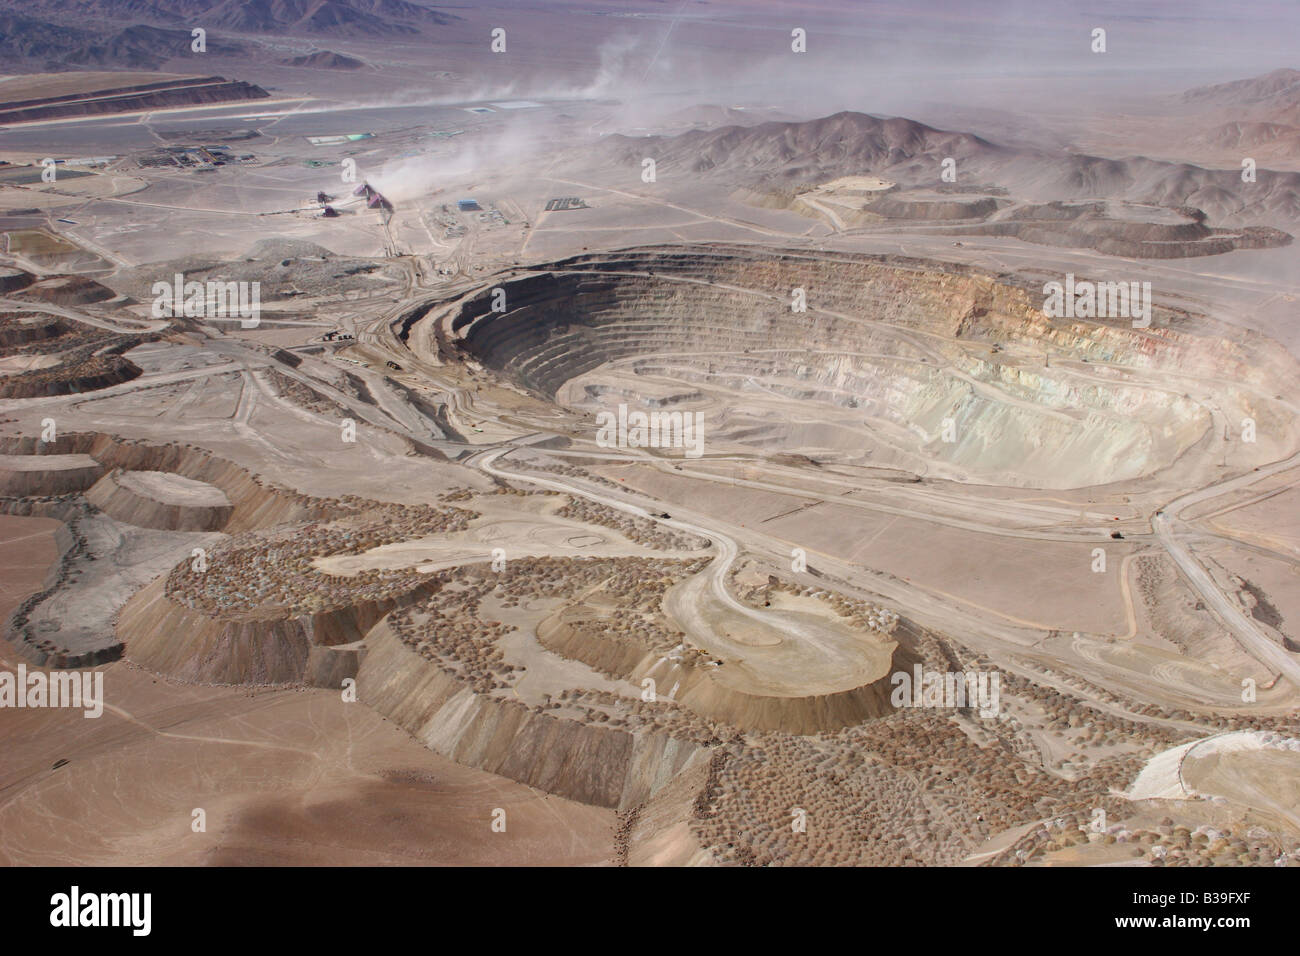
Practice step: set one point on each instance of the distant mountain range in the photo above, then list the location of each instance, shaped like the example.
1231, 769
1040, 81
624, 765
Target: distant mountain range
34, 46
785, 155
1262, 112
38, 35
353, 18
1279, 88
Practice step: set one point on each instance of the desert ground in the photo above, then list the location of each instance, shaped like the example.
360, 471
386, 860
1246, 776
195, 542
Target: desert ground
562, 456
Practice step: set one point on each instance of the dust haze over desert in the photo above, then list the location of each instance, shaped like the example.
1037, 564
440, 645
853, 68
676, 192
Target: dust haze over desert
693, 433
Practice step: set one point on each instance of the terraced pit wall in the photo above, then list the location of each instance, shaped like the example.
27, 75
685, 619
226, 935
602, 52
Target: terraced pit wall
721, 315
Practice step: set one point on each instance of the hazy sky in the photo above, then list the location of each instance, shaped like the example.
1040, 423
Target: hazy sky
1169, 45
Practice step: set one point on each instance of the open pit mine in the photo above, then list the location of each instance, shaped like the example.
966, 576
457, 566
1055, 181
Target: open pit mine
582, 480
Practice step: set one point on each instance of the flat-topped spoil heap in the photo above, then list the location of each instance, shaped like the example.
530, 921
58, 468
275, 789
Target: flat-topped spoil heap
24, 475
455, 671
799, 667
26, 328
12, 279
251, 610
68, 291
157, 499
255, 503
581, 759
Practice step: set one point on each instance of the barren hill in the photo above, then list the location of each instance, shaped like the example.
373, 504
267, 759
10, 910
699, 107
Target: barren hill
326, 60
834, 145
1275, 88
1262, 113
